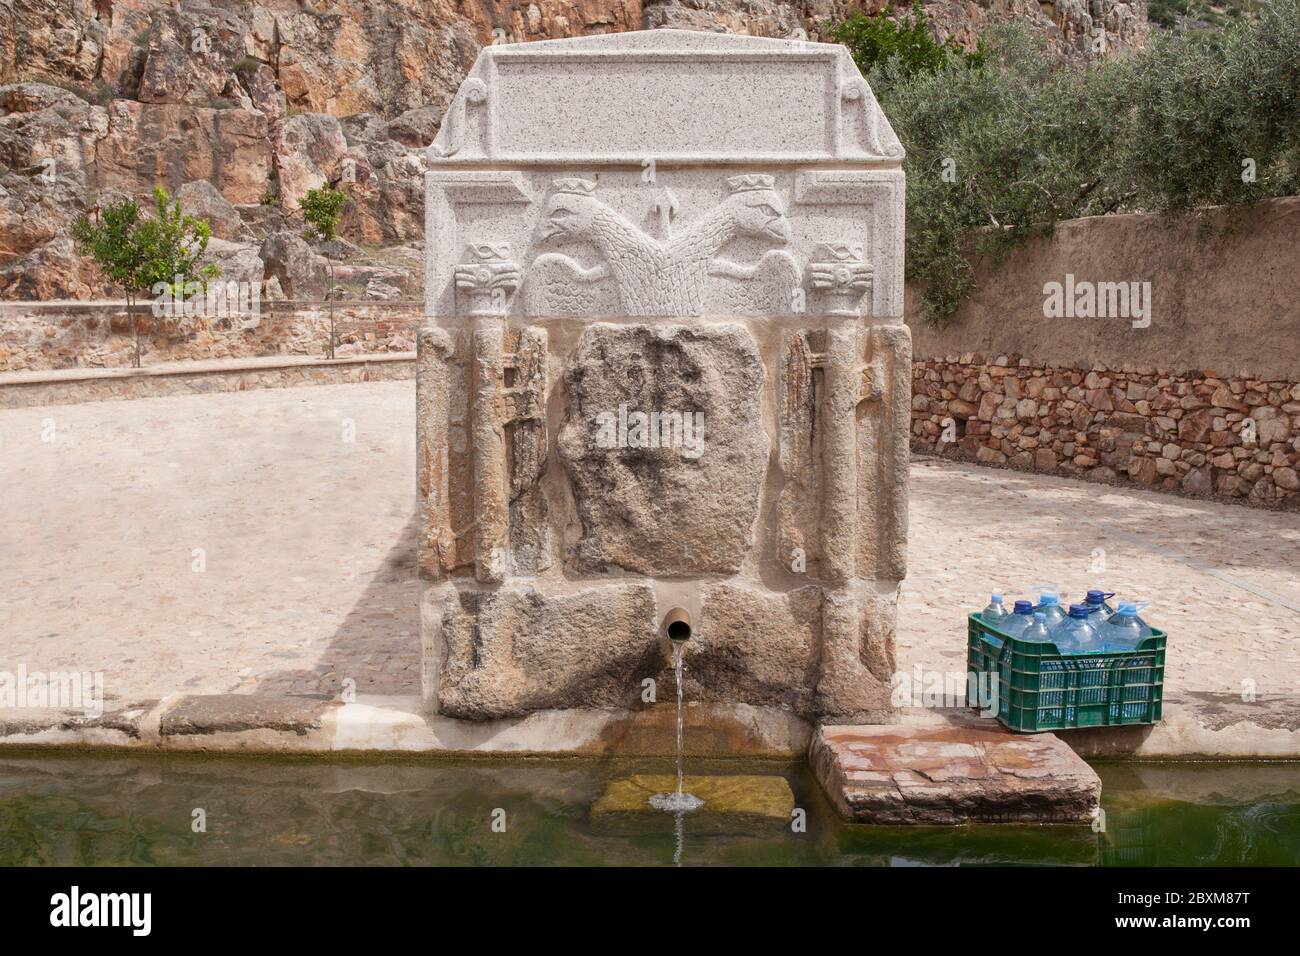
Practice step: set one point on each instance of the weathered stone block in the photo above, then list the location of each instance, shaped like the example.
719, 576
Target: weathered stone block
664, 447
857, 652
968, 772
757, 646
513, 650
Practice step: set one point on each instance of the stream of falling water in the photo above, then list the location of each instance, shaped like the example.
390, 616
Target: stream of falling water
679, 652
680, 803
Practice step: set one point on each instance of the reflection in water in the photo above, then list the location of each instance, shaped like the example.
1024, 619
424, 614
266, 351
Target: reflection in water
138, 810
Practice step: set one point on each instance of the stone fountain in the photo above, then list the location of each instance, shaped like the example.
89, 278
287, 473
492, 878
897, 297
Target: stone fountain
665, 368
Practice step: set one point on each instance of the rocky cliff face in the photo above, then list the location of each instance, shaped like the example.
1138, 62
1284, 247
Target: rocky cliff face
248, 105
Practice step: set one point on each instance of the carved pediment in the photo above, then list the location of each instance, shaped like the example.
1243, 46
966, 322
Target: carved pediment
666, 94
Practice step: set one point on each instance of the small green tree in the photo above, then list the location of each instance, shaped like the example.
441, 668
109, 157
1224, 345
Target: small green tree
110, 239
137, 254
321, 208
174, 244
1214, 116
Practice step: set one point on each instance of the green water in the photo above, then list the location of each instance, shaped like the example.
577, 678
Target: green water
95, 811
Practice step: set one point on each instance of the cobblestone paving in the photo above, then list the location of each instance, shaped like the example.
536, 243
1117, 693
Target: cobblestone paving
264, 541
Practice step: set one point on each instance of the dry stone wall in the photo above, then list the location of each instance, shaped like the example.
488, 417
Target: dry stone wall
1198, 434
1198, 397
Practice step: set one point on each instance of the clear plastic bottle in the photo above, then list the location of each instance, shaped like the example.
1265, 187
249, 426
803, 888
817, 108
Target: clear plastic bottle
1099, 605
1037, 630
1018, 619
1049, 603
995, 613
1075, 635
1124, 630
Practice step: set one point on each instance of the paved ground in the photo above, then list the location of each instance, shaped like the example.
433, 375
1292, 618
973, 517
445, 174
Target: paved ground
307, 541
1223, 579
301, 500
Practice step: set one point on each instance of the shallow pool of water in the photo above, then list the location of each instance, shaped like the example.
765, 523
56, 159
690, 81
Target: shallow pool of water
140, 810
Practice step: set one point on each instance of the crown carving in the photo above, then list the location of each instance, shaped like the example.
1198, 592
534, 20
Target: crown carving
750, 182
575, 186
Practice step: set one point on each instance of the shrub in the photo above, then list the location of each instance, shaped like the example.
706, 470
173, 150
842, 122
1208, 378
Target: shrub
1001, 147
245, 67
905, 43
321, 207
1214, 118
1174, 13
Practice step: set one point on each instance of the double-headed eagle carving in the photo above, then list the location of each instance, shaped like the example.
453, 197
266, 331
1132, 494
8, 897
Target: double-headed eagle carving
656, 277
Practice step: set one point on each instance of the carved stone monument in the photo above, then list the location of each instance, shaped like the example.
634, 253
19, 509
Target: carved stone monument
666, 367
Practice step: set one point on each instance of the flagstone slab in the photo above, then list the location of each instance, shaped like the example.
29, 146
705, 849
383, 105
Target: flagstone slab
732, 804
959, 772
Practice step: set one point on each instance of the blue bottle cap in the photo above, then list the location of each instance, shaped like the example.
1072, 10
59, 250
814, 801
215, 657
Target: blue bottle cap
1128, 607
1024, 607
996, 598
1079, 610
1096, 596
1049, 599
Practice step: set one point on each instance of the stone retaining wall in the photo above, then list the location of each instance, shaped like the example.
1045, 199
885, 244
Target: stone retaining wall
1188, 432
38, 336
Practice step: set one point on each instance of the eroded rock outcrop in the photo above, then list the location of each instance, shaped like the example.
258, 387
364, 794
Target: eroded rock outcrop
263, 101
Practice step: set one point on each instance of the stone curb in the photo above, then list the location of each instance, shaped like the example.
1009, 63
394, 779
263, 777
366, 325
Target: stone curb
1197, 726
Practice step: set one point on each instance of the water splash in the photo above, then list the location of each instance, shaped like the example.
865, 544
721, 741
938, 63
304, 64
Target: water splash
676, 802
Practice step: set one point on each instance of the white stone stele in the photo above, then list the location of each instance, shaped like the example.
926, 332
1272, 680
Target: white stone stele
684, 224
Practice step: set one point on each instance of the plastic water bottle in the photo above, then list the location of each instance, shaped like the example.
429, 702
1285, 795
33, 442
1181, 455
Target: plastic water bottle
1049, 603
1037, 631
1019, 619
995, 613
1075, 635
1124, 630
1098, 604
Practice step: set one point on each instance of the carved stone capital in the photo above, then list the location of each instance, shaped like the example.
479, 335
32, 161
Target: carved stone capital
841, 274
487, 278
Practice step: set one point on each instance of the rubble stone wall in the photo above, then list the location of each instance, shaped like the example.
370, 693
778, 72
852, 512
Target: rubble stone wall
1199, 434
1200, 396
42, 337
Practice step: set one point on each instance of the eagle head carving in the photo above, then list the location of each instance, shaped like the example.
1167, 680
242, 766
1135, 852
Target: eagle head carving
757, 209
568, 213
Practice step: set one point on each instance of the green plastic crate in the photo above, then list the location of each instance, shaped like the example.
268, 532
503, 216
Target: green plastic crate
1039, 688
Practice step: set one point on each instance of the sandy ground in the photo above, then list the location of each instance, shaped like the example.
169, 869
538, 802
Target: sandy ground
264, 541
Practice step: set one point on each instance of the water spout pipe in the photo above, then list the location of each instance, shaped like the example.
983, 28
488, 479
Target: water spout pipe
677, 625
